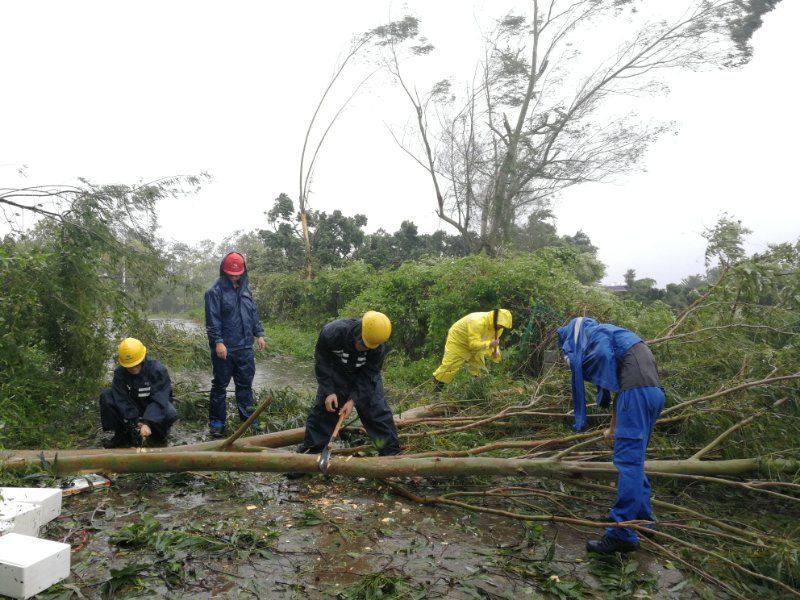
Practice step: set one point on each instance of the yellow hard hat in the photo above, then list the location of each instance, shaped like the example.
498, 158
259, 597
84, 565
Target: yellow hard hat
131, 352
375, 328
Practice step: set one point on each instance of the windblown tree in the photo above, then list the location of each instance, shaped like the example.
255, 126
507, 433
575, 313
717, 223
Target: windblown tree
333, 238
551, 103
724, 250
308, 157
80, 275
316, 133
747, 22
725, 242
539, 232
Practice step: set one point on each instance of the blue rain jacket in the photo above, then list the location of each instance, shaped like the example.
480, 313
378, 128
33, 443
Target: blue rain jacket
593, 350
144, 397
231, 316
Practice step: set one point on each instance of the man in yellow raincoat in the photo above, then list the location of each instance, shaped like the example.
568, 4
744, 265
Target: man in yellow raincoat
470, 340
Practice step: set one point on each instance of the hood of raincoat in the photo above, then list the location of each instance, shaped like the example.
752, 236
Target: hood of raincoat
593, 351
503, 318
243, 277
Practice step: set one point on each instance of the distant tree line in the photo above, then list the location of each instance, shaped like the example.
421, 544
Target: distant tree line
337, 238
774, 270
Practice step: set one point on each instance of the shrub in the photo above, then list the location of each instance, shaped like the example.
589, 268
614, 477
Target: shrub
290, 297
280, 296
424, 298
333, 289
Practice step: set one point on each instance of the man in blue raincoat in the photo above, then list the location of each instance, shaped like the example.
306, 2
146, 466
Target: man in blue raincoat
231, 324
617, 361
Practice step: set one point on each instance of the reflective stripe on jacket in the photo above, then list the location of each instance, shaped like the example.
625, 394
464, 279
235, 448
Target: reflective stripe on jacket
144, 397
340, 368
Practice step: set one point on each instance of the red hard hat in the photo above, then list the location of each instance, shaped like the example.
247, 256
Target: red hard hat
233, 264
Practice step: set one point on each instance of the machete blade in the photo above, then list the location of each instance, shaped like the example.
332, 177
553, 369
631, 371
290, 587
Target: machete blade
324, 459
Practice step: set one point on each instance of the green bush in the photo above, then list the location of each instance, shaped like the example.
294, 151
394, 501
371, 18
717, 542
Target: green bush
285, 339
403, 295
333, 289
176, 348
424, 298
280, 296
290, 297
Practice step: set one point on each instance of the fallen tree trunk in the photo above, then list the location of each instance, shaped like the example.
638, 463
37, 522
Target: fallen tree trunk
278, 439
382, 467
256, 442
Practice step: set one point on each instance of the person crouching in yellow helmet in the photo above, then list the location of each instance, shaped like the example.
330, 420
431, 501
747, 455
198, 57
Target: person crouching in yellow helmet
138, 405
347, 362
470, 340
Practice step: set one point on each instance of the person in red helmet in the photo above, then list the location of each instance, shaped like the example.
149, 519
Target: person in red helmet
231, 325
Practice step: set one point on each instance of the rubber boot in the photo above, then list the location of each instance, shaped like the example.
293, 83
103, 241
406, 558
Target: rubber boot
609, 545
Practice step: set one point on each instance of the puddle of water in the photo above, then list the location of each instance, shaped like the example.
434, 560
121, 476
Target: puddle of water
178, 323
271, 372
284, 371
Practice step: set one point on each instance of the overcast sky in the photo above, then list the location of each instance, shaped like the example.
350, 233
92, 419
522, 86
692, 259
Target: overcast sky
119, 92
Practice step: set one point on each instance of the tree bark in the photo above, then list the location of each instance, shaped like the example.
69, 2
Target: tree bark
383, 467
277, 439
306, 244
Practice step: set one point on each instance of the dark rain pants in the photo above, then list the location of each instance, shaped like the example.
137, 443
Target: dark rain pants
637, 411
375, 415
241, 365
112, 419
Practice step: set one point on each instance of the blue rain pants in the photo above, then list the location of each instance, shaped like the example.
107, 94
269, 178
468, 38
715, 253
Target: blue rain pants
637, 411
241, 365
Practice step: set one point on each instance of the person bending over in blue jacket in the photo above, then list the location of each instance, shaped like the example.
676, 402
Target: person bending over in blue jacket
231, 324
618, 361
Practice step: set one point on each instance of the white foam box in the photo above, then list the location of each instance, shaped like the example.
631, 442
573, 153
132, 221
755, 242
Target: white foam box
29, 565
48, 498
26, 518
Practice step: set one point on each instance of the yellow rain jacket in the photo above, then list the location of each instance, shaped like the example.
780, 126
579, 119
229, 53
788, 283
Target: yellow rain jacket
468, 342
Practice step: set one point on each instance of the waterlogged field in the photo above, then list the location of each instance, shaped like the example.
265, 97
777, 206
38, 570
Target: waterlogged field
219, 535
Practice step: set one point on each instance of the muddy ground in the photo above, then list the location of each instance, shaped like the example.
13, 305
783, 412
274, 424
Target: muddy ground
249, 535
223, 535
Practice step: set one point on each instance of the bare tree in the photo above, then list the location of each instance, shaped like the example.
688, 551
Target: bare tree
540, 115
398, 30
306, 171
